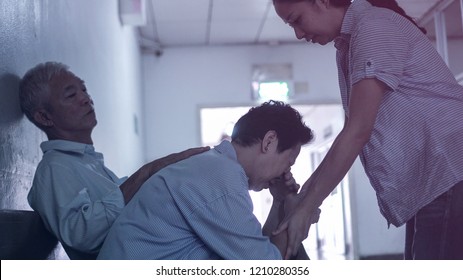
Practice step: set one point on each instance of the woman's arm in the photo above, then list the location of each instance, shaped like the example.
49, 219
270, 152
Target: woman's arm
134, 182
364, 105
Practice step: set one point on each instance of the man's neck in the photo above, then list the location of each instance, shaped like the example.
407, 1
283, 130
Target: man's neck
246, 157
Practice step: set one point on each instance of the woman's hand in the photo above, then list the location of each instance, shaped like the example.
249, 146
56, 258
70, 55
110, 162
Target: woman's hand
297, 224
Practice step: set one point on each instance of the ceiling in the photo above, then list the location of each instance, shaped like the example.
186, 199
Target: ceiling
178, 23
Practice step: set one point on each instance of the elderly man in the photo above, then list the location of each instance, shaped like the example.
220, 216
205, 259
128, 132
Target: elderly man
200, 208
76, 195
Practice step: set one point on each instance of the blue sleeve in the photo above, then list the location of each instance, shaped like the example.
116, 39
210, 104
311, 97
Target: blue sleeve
77, 208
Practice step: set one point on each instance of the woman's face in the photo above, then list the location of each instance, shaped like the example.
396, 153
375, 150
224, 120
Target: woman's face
315, 21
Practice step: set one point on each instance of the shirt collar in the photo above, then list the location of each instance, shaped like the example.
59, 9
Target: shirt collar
67, 146
226, 148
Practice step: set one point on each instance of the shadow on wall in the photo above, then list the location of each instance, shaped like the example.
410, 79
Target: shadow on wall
17, 156
9, 100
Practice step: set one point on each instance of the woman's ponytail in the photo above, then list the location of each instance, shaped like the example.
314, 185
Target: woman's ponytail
393, 5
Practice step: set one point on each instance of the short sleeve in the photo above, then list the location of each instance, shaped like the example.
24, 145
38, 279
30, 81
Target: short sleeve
379, 50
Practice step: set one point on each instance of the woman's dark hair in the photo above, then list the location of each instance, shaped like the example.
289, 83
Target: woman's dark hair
388, 4
273, 115
393, 5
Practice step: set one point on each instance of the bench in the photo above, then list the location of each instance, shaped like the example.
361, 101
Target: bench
23, 236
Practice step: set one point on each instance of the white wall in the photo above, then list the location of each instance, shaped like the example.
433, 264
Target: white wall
455, 49
371, 233
88, 36
182, 80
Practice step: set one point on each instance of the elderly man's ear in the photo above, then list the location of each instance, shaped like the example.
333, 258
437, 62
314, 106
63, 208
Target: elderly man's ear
270, 141
42, 117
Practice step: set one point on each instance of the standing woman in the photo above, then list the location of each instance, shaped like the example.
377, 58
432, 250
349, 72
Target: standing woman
404, 118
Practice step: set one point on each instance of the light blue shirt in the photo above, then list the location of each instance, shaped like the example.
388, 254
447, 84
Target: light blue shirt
199, 208
415, 152
77, 197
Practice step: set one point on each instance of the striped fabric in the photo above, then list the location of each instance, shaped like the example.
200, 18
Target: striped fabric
199, 208
415, 152
76, 195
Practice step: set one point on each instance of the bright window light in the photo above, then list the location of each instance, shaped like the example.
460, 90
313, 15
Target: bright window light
273, 90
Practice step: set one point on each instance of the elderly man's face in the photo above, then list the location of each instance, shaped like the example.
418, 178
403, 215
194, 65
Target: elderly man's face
70, 106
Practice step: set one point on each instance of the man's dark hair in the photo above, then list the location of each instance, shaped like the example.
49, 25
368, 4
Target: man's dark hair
273, 115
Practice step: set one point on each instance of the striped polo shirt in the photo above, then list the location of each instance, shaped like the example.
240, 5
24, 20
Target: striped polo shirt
198, 208
415, 152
